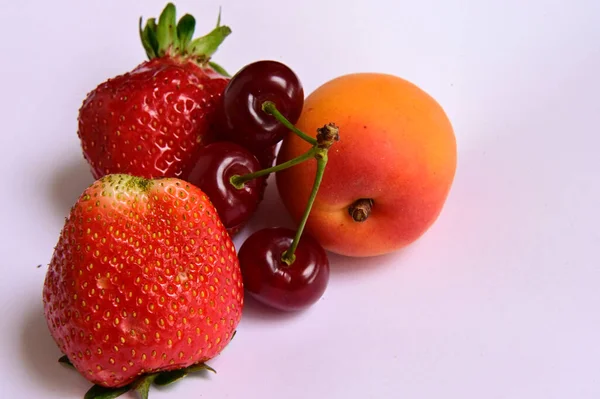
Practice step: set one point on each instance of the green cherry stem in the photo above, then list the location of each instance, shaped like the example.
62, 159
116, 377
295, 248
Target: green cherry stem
326, 136
288, 256
270, 108
238, 181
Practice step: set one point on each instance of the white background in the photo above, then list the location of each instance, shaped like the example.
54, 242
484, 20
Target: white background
499, 300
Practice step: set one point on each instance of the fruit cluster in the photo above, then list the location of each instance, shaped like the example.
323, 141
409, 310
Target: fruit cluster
145, 284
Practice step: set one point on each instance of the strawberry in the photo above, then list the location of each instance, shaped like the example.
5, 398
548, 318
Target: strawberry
144, 279
150, 122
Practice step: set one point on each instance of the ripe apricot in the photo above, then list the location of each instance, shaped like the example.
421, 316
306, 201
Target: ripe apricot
387, 178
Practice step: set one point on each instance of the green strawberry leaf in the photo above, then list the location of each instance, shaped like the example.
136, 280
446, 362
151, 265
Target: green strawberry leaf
100, 392
219, 18
166, 30
199, 367
143, 384
169, 377
219, 69
148, 37
185, 30
208, 44
65, 360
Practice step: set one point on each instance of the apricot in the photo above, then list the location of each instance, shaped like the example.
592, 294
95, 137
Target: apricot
388, 177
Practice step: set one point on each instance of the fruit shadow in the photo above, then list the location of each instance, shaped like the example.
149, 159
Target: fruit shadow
271, 212
66, 183
40, 356
256, 311
341, 266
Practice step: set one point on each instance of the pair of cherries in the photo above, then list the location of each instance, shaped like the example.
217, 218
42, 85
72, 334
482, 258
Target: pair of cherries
280, 267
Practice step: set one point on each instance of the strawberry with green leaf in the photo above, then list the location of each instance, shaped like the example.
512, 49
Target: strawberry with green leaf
144, 285
151, 122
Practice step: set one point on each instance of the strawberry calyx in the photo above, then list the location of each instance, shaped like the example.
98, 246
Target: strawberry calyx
142, 385
172, 38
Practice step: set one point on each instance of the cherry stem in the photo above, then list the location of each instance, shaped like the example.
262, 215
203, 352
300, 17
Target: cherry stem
289, 256
238, 181
270, 108
326, 136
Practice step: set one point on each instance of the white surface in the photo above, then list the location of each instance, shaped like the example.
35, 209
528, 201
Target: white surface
499, 300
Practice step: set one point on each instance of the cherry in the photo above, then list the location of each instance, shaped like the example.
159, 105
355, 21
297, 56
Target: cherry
280, 267
270, 280
217, 163
267, 156
241, 117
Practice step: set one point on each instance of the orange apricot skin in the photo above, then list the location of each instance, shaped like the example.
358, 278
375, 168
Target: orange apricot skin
397, 147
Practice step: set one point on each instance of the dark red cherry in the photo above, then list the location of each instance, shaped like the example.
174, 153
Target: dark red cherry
275, 283
241, 118
217, 162
267, 156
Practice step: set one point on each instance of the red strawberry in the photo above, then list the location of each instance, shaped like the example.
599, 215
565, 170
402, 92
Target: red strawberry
151, 121
144, 278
